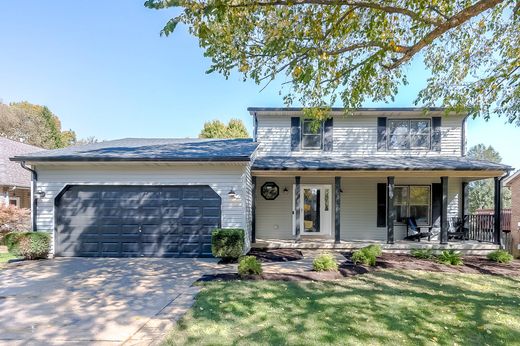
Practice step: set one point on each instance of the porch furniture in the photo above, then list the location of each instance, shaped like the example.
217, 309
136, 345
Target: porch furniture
414, 232
457, 229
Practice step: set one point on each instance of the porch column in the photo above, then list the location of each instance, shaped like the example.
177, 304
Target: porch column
390, 214
253, 209
297, 206
498, 212
337, 209
464, 200
444, 211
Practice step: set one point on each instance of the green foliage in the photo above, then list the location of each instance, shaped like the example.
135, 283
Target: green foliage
217, 129
450, 257
29, 245
500, 256
33, 124
367, 255
227, 243
325, 262
249, 265
422, 253
355, 51
482, 192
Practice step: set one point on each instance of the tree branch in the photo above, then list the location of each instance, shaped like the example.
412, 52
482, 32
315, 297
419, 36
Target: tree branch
455, 21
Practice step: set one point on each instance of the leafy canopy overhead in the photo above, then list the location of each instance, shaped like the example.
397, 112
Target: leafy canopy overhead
354, 50
217, 129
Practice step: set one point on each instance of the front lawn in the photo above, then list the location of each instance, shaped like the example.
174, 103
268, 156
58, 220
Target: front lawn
385, 307
4, 257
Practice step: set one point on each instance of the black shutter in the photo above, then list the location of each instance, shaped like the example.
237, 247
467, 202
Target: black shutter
436, 204
436, 133
328, 134
381, 134
295, 133
381, 205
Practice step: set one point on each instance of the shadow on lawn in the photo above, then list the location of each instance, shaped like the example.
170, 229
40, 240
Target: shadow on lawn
380, 308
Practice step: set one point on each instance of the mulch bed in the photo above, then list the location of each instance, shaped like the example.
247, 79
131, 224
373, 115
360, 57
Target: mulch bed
271, 255
472, 265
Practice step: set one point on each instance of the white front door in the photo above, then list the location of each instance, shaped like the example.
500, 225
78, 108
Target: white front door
316, 209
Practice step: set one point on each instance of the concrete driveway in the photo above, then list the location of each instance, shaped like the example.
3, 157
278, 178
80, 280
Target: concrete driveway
102, 301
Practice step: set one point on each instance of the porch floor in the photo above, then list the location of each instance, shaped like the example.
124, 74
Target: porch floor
467, 247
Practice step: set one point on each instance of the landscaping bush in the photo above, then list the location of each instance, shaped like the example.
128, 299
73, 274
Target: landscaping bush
249, 265
500, 256
450, 257
14, 219
422, 253
29, 245
325, 262
227, 243
367, 255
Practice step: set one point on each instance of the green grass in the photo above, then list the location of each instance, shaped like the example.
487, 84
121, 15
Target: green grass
386, 307
4, 257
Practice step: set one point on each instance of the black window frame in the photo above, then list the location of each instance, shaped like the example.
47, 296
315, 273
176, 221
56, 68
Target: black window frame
430, 205
409, 120
303, 134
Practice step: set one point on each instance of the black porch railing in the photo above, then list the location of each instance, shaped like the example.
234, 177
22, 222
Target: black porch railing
481, 225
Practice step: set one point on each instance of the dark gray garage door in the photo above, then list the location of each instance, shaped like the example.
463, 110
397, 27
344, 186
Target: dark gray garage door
126, 221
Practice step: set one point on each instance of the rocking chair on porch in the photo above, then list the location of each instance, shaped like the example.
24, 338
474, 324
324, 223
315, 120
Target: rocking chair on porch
413, 232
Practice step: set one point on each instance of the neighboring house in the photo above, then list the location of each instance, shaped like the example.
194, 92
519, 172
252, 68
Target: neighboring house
347, 179
513, 182
15, 182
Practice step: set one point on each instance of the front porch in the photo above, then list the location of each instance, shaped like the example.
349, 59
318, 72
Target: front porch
466, 247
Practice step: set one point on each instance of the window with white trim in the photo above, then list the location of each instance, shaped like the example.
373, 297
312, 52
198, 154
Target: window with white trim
413, 201
409, 134
312, 134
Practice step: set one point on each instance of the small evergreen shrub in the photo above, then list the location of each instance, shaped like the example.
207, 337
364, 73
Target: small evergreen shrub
367, 255
227, 243
29, 245
422, 253
325, 262
500, 256
450, 257
249, 265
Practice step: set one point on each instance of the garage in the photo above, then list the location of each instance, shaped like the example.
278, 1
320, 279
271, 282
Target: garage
132, 221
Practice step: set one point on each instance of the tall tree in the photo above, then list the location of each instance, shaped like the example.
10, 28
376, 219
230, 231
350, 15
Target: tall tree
217, 129
361, 49
33, 124
482, 192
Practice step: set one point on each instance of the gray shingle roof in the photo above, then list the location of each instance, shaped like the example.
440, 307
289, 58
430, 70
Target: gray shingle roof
11, 173
151, 149
375, 163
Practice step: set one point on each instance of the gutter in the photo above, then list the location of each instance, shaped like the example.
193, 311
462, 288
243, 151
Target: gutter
34, 201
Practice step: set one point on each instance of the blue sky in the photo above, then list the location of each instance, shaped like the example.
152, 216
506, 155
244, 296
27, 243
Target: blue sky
102, 67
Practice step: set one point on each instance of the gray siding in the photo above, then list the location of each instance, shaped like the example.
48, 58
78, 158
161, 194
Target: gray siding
220, 177
354, 135
358, 207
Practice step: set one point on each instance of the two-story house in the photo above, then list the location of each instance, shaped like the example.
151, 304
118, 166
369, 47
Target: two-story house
377, 175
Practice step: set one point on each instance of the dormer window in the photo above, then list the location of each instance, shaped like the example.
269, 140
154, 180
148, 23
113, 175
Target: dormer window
312, 134
409, 134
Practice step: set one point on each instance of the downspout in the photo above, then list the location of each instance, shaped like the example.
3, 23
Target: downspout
34, 201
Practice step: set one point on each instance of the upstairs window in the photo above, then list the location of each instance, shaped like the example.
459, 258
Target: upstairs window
312, 134
409, 134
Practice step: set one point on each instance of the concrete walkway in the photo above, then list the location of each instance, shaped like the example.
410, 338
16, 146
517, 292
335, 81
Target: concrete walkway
303, 265
96, 301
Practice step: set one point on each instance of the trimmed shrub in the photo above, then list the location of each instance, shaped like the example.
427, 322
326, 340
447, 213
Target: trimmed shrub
227, 243
325, 262
422, 253
14, 219
249, 265
29, 245
500, 256
450, 257
367, 255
